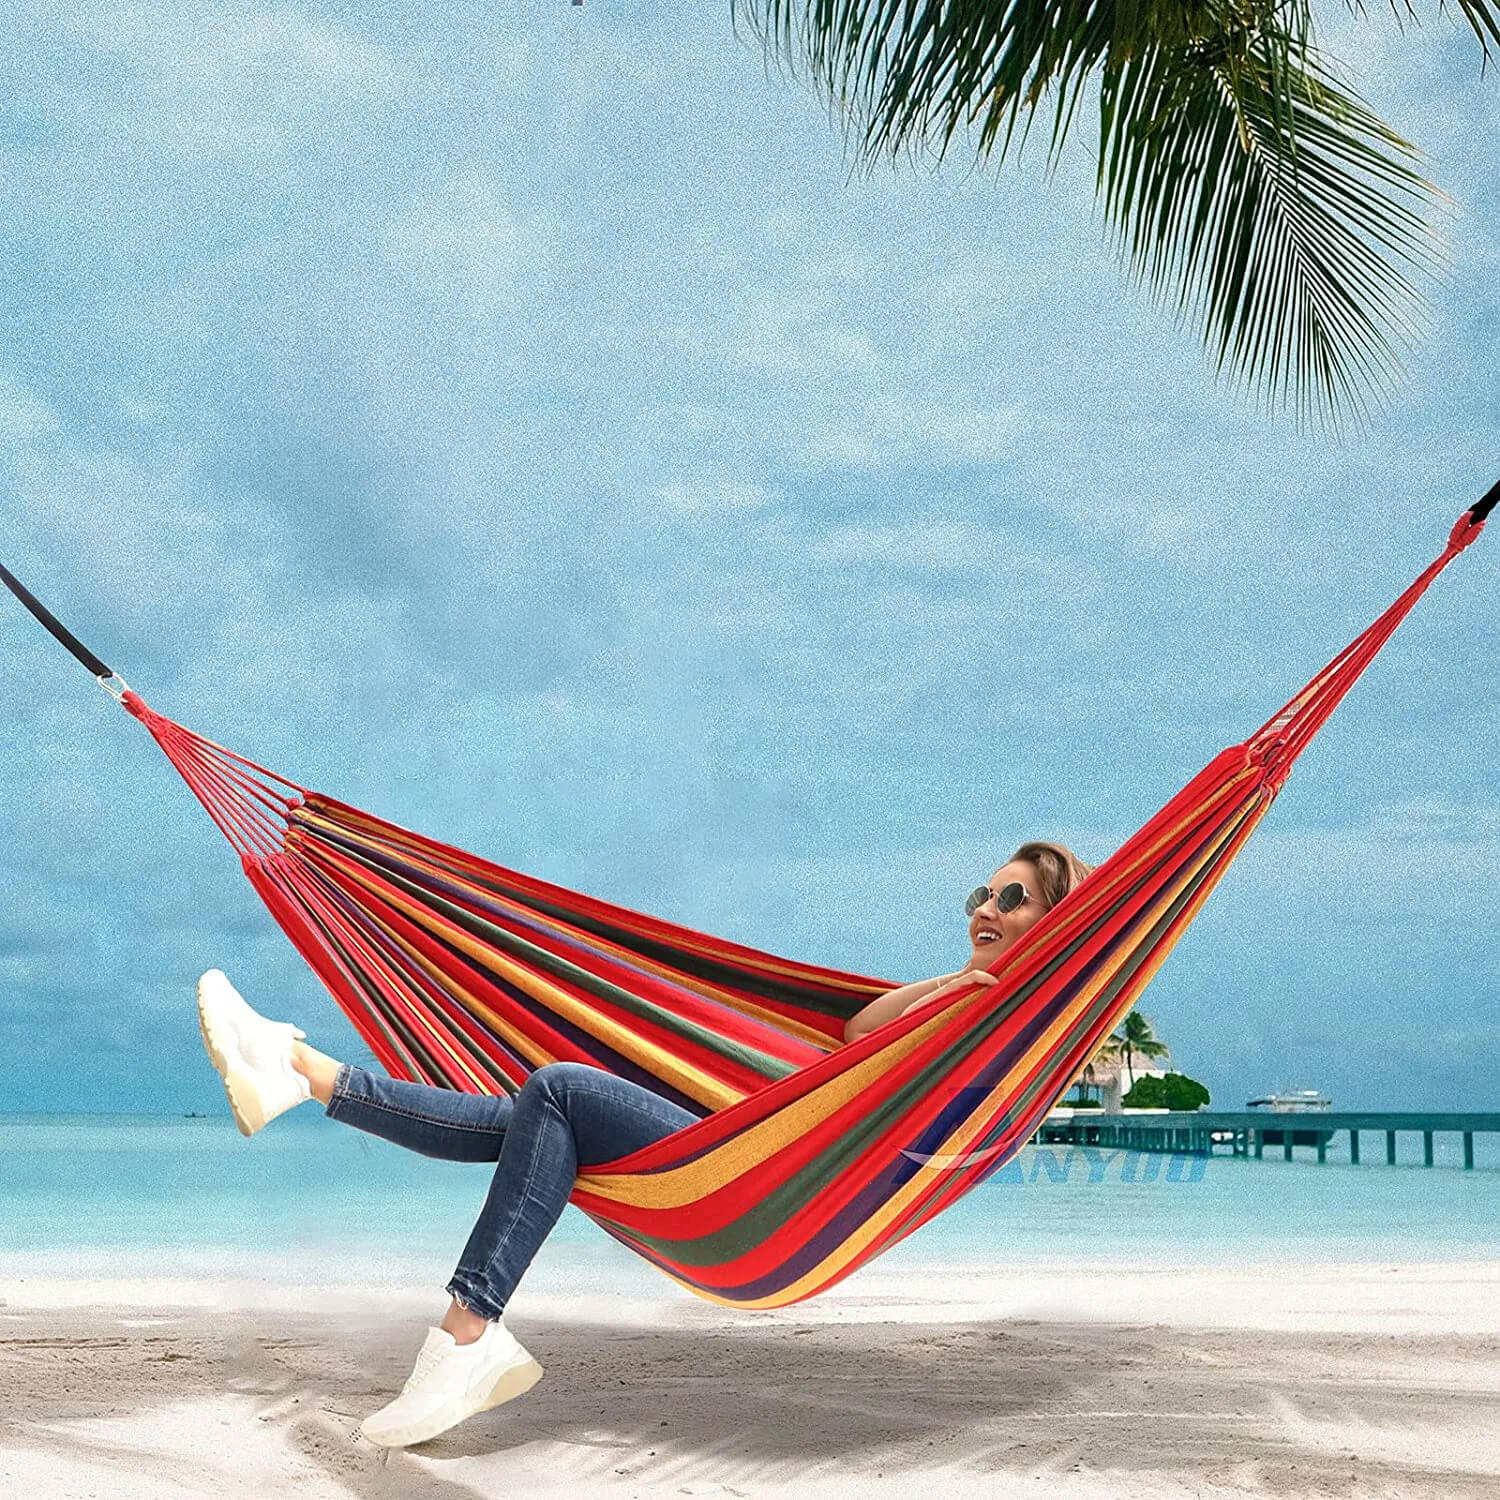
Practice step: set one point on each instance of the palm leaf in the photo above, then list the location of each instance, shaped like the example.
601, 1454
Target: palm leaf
1259, 192
1482, 15
912, 73
1242, 179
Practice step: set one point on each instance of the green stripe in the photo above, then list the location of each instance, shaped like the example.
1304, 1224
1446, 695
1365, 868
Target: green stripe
764, 1219
540, 961
722, 972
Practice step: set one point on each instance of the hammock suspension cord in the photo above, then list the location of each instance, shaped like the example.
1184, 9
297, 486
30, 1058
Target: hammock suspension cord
809, 1156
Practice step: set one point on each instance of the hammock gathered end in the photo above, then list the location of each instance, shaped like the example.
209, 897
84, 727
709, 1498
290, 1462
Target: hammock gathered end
810, 1156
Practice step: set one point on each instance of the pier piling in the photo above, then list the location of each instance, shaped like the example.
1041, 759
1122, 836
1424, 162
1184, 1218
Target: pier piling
1199, 1132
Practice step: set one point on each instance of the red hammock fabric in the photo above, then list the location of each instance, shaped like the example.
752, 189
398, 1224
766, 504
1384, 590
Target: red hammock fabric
810, 1157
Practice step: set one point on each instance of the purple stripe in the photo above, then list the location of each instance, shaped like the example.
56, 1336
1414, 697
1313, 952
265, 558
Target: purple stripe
870, 1198
462, 896
880, 1188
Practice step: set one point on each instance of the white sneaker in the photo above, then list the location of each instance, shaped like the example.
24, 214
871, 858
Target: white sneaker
253, 1055
452, 1381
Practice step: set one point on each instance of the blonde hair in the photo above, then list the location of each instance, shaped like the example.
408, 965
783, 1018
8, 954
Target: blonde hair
1058, 869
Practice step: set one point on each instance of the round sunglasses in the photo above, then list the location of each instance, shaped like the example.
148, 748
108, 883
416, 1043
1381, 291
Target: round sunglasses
1007, 898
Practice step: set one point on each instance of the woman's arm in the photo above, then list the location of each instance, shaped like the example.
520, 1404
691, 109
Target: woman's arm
888, 1006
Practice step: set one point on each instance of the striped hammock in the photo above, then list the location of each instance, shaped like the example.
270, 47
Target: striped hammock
810, 1157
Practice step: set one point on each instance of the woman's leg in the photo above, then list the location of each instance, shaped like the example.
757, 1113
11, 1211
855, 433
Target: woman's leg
564, 1115
439, 1122
318, 1068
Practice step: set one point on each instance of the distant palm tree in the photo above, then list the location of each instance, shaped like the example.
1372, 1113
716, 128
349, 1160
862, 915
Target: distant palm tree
1082, 1080
1243, 180
1106, 1054
1135, 1038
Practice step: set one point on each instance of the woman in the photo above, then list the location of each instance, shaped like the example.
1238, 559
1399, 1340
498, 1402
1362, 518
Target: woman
565, 1113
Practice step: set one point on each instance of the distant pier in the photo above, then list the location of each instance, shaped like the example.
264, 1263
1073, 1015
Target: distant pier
1249, 1132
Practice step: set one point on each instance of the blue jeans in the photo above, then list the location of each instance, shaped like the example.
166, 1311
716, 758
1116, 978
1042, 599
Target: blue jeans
565, 1113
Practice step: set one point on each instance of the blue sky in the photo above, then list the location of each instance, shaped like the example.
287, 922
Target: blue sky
519, 421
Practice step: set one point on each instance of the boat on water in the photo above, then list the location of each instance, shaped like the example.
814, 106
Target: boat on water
1290, 1101
1293, 1102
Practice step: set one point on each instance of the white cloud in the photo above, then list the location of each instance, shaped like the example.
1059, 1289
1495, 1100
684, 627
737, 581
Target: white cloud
216, 48
460, 246
941, 546
715, 496
23, 415
211, 81
864, 428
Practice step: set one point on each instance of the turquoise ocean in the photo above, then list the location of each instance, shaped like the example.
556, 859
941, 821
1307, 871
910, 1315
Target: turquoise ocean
123, 1196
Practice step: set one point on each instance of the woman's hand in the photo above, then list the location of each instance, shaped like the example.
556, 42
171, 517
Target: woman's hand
973, 972
969, 974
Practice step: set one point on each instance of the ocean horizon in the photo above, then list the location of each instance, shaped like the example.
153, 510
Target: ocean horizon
135, 1195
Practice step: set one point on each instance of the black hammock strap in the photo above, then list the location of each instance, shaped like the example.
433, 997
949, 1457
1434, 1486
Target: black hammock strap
60, 632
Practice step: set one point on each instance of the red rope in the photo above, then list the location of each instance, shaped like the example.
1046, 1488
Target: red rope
1283, 737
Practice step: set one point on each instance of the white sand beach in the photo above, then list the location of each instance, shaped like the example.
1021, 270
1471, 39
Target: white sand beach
1353, 1381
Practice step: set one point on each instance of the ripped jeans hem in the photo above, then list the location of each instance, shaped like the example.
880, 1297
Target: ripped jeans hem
472, 1294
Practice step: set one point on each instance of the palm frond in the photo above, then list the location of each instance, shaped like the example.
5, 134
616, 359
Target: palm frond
912, 73
1237, 172
1484, 17
1257, 190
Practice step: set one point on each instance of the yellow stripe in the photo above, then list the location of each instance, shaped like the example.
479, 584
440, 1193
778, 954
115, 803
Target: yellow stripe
662, 1064
695, 1180
789, 1026
702, 944
956, 1143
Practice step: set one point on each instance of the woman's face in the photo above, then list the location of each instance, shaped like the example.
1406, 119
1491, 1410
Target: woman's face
991, 930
